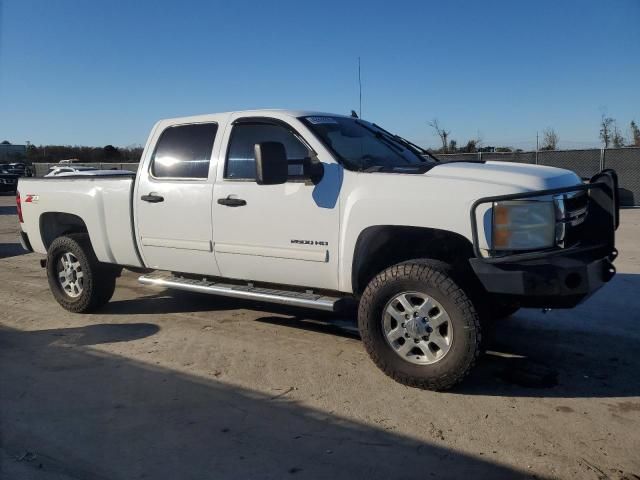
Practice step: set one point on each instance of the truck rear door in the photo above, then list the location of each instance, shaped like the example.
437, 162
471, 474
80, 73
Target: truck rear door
173, 199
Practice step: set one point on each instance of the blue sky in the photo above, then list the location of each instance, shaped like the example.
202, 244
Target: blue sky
102, 72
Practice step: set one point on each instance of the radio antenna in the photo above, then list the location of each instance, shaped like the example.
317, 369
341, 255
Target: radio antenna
360, 88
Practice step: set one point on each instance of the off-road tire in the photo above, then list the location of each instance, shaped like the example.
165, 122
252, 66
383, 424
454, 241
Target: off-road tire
99, 280
433, 278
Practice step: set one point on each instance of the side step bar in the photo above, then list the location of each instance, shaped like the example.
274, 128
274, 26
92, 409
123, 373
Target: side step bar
249, 292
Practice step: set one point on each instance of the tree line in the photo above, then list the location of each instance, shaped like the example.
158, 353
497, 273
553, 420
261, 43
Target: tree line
55, 153
610, 136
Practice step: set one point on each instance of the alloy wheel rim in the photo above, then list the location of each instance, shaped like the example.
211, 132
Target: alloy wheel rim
70, 275
417, 328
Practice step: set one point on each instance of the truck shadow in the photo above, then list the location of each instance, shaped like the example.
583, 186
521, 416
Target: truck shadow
7, 210
562, 364
11, 250
81, 336
589, 365
590, 351
76, 412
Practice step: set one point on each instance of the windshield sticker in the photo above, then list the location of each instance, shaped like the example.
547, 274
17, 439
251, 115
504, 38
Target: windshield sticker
322, 120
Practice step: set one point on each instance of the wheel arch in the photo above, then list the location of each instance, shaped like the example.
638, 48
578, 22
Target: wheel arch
58, 224
378, 247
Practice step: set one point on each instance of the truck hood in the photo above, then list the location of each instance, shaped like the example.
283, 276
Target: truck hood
521, 176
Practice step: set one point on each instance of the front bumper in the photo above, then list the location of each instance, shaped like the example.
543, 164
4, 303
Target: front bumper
560, 277
559, 281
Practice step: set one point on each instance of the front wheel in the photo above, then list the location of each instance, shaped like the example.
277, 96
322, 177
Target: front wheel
78, 281
418, 326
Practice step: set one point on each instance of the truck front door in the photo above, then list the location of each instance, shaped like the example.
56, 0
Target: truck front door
286, 233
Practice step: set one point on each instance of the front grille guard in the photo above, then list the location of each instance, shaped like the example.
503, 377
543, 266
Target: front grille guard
603, 218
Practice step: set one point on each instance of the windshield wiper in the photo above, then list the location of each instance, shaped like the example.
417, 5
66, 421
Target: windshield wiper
412, 146
380, 136
373, 168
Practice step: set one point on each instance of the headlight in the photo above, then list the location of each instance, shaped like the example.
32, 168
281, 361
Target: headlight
524, 225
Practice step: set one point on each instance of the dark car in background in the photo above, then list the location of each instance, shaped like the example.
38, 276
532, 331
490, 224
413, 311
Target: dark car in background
8, 179
18, 168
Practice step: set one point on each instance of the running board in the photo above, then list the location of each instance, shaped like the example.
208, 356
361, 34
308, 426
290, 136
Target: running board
249, 292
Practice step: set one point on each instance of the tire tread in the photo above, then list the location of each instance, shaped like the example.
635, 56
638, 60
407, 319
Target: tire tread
438, 274
99, 281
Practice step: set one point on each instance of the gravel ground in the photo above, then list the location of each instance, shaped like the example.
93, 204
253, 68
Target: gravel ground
163, 385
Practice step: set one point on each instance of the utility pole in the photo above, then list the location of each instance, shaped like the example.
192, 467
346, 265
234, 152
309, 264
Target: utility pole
536, 147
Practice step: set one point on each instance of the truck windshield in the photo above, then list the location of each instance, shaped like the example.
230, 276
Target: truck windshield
364, 146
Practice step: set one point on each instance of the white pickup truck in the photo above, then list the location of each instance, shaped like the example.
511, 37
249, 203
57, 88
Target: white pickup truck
319, 210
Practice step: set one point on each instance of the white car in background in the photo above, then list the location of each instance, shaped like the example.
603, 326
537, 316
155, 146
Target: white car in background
57, 170
83, 171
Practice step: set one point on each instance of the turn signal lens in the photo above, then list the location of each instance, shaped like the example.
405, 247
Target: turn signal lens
501, 238
501, 215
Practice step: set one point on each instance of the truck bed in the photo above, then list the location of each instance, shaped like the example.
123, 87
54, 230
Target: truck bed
102, 202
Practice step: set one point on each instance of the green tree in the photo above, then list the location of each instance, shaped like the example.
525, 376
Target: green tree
55, 153
111, 153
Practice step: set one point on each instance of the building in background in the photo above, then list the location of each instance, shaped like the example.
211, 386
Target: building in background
12, 153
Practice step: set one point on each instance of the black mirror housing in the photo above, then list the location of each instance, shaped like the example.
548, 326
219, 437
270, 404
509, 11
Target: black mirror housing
313, 170
272, 167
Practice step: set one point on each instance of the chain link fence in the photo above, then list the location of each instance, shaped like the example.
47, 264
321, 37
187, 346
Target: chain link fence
586, 163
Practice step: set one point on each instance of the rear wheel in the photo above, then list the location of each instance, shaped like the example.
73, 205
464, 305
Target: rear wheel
78, 281
419, 326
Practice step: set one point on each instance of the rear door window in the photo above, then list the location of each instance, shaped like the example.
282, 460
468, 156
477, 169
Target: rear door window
184, 151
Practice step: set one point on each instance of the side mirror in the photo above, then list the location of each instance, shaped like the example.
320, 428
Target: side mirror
313, 170
272, 167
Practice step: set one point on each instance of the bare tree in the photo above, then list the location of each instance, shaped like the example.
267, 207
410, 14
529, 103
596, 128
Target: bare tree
605, 130
471, 146
635, 133
442, 133
617, 140
550, 139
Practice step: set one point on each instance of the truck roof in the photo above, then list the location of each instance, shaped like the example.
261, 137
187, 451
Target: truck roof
258, 112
